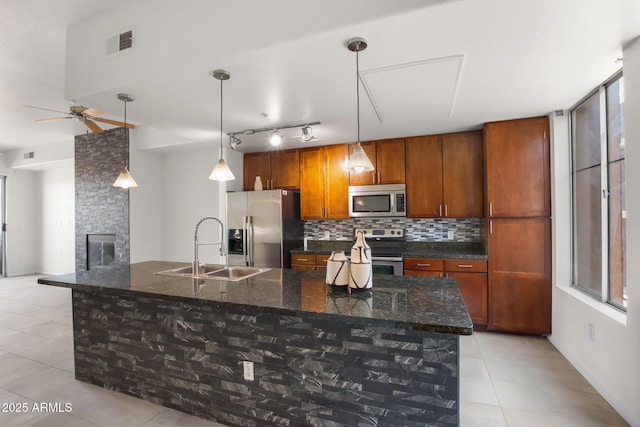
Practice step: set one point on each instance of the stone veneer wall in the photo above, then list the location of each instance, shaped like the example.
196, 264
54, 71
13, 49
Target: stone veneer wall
416, 230
308, 370
100, 207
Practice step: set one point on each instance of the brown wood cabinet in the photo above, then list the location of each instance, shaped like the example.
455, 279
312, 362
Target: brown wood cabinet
444, 176
277, 169
518, 207
309, 262
471, 275
518, 178
520, 275
324, 182
388, 158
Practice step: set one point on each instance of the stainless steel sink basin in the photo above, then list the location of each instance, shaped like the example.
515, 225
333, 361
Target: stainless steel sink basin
188, 270
215, 272
236, 273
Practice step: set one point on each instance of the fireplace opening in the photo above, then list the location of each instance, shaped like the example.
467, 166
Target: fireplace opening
101, 250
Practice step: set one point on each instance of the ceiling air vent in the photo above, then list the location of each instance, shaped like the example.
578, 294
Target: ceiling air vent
120, 42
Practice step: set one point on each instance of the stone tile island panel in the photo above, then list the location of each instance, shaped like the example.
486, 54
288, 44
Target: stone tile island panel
310, 370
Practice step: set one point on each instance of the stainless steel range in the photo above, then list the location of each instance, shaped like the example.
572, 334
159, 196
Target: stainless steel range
387, 247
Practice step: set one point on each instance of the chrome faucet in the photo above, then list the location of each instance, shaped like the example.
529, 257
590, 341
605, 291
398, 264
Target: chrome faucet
196, 261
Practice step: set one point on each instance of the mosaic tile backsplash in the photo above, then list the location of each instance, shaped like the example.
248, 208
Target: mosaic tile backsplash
416, 230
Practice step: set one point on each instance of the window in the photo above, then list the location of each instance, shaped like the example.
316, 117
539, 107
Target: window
599, 204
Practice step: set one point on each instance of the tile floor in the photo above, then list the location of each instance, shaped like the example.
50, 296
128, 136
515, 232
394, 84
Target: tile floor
506, 380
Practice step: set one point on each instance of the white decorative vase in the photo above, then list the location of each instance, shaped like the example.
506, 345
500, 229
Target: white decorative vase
257, 185
337, 269
360, 270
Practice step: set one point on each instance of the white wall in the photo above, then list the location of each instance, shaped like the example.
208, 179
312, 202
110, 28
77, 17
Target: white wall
23, 218
145, 203
57, 220
611, 362
188, 196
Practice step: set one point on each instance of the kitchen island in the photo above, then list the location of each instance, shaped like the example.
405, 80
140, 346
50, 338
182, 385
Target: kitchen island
320, 356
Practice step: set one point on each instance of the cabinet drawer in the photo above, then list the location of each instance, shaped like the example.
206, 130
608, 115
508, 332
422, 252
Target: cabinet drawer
321, 261
303, 259
423, 264
468, 265
423, 273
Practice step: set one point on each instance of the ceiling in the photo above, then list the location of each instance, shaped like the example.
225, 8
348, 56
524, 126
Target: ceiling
430, 67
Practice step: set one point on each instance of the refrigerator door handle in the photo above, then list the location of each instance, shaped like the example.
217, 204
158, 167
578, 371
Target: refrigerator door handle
250, 240
245, 236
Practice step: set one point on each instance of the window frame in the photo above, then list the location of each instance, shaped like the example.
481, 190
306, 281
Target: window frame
605, 292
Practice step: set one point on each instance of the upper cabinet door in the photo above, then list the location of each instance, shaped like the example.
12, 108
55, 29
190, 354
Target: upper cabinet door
336, 182
390, 161
424, 176
312, 183
285, 170
257, 164
462, 174
517, 168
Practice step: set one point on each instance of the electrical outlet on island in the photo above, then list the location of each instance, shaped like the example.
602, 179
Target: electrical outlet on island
451, 234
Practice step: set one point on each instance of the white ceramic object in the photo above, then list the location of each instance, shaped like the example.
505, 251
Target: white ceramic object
360, 269
257, 185
337, 269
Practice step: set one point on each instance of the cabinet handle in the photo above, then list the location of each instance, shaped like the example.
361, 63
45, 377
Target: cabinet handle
373, 178
491, 209
423, 265
490, 227
446, 210
440, 210
303, 259
465, 266
272, 185
378, 177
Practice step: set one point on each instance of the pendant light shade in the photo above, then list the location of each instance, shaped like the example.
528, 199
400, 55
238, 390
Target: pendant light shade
221, 172
125, 180
358, 161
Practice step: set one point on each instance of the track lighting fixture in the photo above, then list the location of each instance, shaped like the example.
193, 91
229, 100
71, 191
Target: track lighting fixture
221, 171
276, 138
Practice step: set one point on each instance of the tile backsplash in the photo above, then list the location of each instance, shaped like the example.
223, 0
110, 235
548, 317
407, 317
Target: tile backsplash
417, 230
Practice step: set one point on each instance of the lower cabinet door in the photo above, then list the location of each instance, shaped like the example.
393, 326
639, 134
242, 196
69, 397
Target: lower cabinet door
473, 287
520, 275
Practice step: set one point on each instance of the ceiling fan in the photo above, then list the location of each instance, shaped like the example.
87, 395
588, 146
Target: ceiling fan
88, 116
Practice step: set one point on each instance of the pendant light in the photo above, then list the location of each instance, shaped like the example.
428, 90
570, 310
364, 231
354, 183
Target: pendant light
221, 171
125, 180
358, 161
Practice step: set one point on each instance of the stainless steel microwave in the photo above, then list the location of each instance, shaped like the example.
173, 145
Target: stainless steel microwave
377, 200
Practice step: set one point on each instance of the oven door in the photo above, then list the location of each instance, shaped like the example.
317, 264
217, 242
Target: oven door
387, 265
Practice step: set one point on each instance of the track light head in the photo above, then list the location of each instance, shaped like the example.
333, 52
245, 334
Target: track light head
234, 142
276, 138
307, 133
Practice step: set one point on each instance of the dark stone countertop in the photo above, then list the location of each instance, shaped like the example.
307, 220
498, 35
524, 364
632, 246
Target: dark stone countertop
444, 250
420, 303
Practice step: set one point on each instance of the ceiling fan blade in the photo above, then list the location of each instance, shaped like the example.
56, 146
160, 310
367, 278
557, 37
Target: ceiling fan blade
91, 125
114, 122
55, 119
47, 109
92, 112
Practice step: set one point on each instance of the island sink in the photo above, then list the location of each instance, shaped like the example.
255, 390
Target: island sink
215, 272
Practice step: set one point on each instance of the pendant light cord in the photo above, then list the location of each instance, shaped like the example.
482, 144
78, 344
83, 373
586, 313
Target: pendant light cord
358, 92
126, 131
221, 118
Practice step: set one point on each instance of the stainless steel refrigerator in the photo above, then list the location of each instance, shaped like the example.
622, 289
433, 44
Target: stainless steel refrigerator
262, 227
